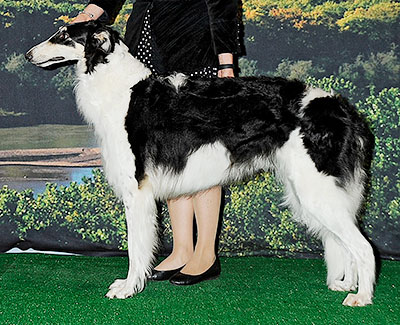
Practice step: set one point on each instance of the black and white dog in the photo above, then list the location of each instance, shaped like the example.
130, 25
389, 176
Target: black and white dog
166, 137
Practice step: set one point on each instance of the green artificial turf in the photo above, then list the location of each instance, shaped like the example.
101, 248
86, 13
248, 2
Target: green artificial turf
40, 289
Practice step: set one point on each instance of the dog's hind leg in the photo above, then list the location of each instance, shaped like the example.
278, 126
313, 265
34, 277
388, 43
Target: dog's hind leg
344, 243
328, 210
362, 254
340, 263
342, 271
141, 217
324, 210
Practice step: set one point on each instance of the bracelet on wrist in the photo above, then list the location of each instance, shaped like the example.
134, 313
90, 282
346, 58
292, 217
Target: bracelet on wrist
226, 66
91, 16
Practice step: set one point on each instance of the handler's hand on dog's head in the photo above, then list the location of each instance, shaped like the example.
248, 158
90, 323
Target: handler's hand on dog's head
80, 19
91, 12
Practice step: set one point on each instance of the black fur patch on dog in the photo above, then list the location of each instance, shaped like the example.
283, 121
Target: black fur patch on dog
95, 53
336, 138
249, 116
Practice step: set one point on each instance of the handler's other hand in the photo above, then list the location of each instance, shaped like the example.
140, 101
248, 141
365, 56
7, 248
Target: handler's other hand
226, 73
225, 58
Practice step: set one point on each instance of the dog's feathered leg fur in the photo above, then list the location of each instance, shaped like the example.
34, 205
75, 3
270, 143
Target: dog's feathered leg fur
329, 211
140, 210
342, 270
107, 114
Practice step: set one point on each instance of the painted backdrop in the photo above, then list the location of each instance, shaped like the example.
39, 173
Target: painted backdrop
51, 198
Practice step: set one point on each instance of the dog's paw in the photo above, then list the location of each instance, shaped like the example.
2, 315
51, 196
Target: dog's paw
339, 285
123, 288
357, 299
117, 283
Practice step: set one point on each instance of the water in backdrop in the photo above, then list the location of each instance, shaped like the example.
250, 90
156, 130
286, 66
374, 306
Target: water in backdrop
44, 137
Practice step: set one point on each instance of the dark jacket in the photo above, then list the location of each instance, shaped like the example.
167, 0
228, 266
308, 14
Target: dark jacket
188, 34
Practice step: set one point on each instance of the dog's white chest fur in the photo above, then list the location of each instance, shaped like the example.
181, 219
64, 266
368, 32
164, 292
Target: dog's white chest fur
103, 98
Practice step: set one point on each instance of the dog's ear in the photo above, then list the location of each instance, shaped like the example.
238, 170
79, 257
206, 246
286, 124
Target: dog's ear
101, 40
99, 44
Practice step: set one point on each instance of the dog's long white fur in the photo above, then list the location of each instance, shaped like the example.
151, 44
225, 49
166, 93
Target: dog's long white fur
328, 210
103, 98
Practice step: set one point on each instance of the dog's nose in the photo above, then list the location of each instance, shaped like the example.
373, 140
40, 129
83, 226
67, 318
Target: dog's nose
28, 55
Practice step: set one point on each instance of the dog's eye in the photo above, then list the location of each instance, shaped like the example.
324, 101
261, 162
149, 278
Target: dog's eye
64, 36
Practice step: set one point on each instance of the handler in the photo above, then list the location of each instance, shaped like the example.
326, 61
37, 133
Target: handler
198, 38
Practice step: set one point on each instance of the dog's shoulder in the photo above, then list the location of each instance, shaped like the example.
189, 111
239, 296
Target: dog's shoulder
152, 86
152, 93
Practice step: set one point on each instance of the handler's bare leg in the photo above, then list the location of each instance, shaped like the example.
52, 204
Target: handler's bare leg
206, 206
181, 214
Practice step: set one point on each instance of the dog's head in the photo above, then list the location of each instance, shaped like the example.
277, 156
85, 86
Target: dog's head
89, 41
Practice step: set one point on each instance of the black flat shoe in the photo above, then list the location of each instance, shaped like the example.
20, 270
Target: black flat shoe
182, 279
163, 275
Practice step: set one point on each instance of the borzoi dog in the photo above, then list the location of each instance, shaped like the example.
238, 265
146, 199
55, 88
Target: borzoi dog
167, 137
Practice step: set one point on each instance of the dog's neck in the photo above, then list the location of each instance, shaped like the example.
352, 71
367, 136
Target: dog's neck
103, 95
120, 64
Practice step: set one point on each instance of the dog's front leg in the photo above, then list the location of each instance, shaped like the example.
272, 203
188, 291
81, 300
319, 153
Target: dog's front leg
140, 210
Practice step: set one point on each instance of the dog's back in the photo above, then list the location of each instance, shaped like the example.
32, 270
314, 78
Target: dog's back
250, 116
